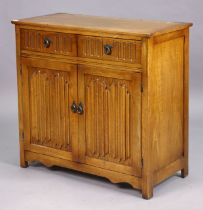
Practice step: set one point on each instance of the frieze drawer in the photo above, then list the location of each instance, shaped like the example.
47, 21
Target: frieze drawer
128, 51
48, 42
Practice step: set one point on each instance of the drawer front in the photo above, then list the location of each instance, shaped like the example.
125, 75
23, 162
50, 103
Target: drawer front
128, 51
48, 42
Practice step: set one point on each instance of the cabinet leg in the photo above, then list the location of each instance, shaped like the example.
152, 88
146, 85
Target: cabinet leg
184, 172
147, 189
23, 162
147, 194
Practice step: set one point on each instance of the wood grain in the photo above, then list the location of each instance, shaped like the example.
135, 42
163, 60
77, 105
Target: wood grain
103, 24
112, 106
127, 51
114, 177
60, 43
184, 171
134, 124
168, 170
50, 117
23, 162
48, 94
166, 104
147, 153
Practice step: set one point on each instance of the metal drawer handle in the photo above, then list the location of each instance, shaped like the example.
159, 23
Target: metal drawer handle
80, 109
74, 107
107, 49
77, 108
47, 42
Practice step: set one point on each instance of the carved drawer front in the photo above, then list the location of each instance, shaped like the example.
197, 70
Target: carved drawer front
128, 51
48, 42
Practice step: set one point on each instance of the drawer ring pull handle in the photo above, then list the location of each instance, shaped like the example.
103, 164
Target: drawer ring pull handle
77, 108
47, 42
80, 109
74, 107
107, 49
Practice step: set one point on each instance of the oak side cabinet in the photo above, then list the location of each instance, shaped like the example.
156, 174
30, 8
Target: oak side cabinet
104, 96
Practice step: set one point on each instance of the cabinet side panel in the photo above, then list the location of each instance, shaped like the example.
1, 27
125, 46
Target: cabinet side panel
166, 101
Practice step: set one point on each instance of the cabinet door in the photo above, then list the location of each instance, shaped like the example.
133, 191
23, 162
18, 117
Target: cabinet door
49, 89
109, 127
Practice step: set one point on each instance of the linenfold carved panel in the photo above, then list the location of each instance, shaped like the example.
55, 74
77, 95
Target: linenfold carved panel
49, 112
60, 43
128, 51
90, 47
108, 105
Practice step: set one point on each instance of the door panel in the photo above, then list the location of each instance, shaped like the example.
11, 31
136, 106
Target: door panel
110, 126
49, 90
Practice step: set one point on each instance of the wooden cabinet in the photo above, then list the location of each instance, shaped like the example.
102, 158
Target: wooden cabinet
104, 96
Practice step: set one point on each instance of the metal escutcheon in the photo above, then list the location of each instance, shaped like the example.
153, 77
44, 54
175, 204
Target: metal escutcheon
47, 42
107, 49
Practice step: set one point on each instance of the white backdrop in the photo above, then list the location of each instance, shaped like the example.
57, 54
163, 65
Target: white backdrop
40, 188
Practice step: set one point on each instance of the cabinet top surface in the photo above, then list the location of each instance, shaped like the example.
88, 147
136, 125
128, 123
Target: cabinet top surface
139, 27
